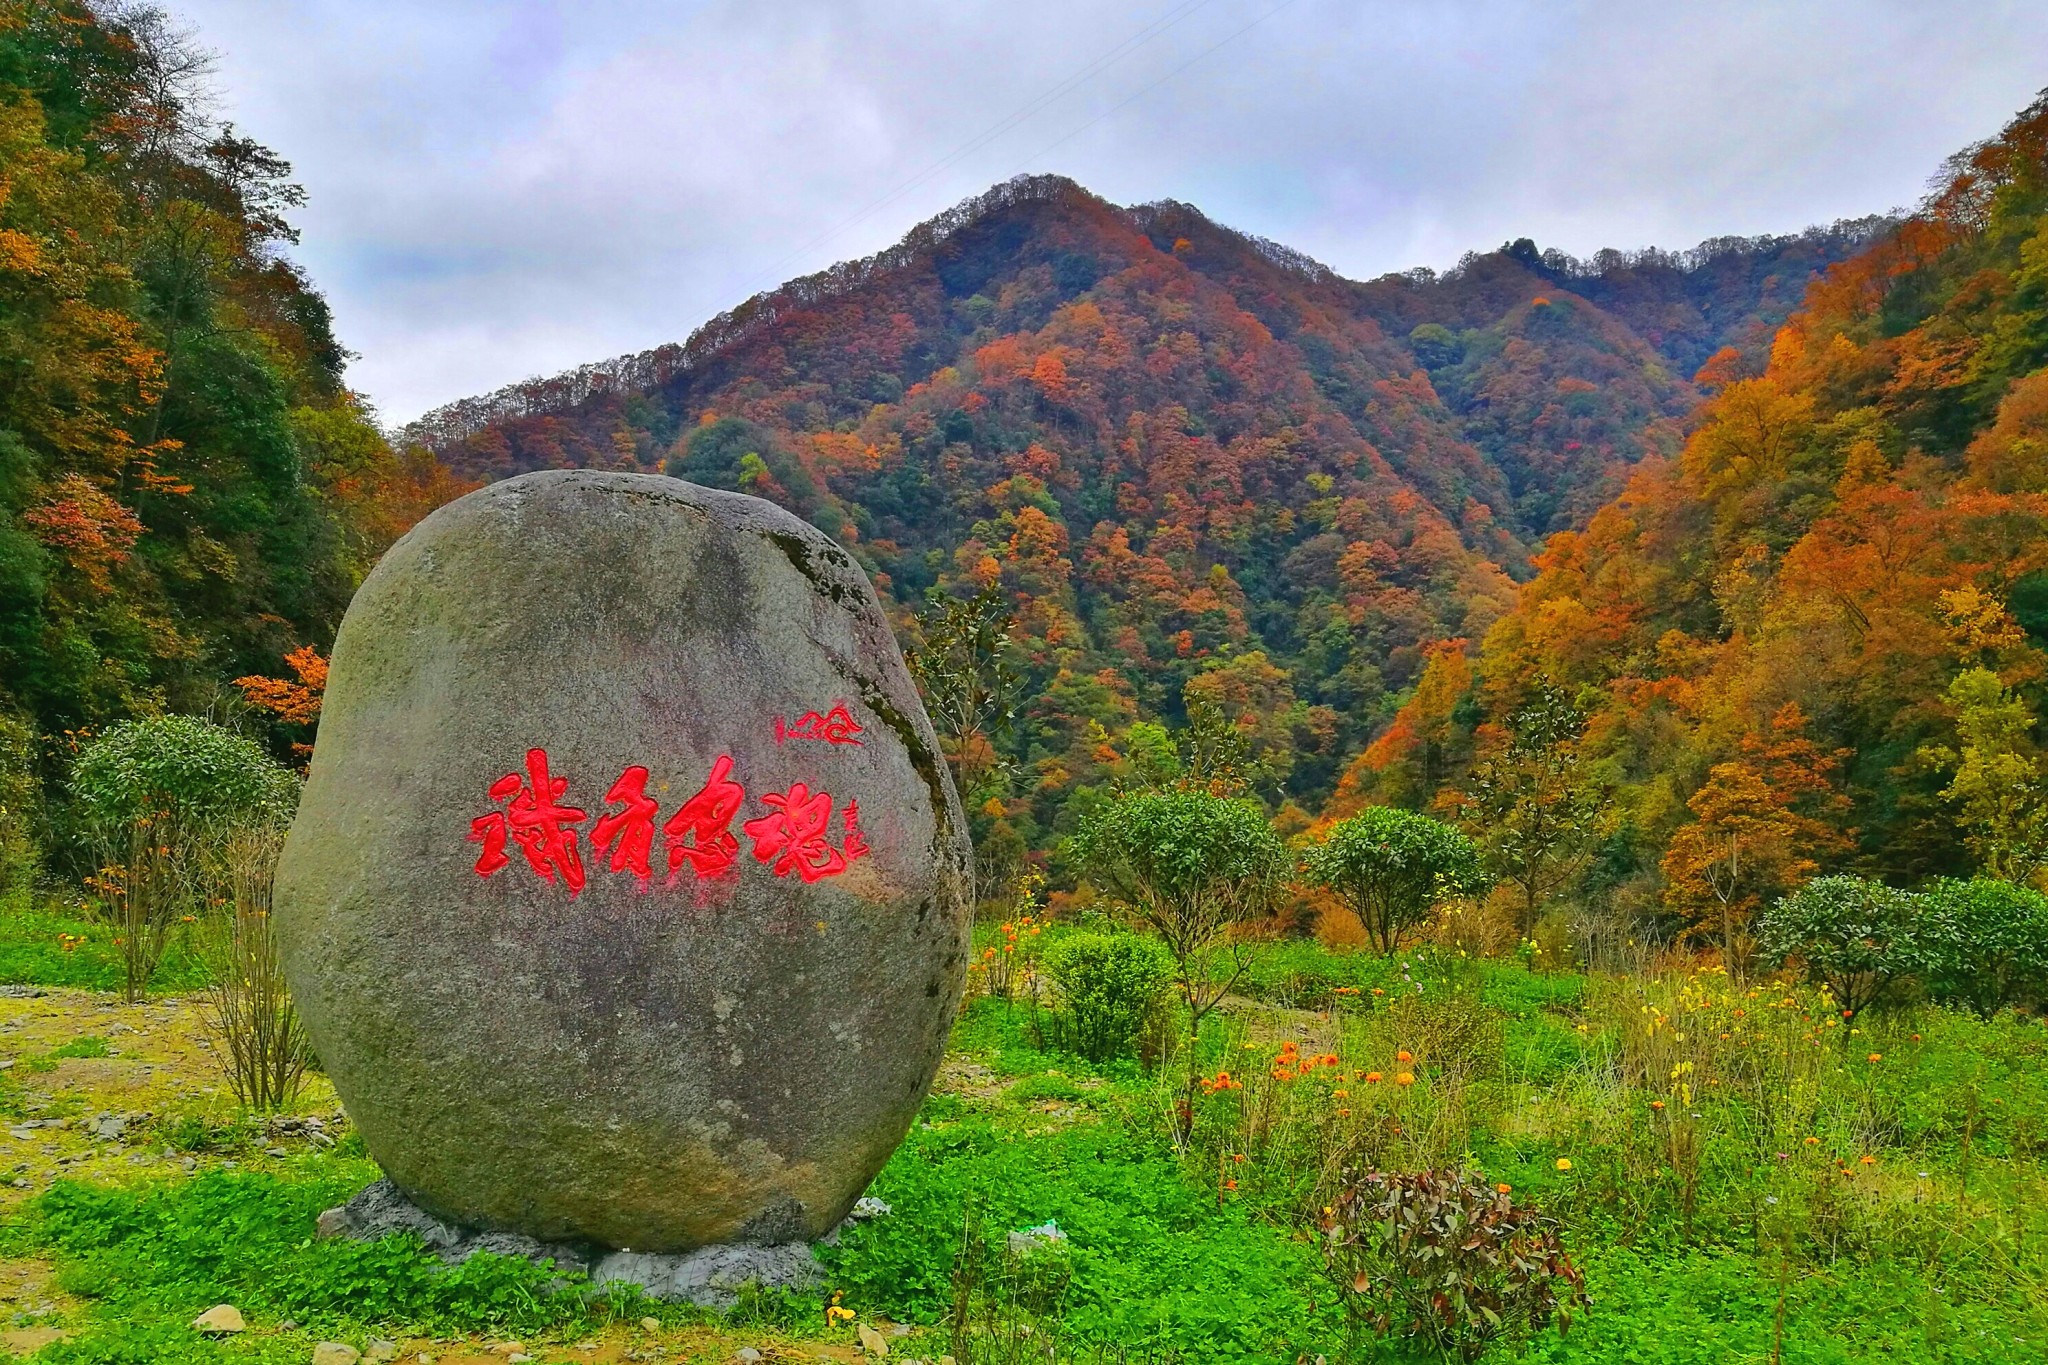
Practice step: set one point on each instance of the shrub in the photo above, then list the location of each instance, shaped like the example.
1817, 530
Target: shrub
260, 1039
1446, 1258
1985, 943
157, 797
1392, 868
202, 775
20, 803
1187, 865
1112, 984
1860, 938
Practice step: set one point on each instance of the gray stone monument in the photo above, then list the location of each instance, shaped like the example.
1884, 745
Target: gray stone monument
628, 901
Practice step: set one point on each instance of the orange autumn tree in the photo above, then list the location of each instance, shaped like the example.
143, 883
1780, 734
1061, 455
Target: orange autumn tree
292, 702
1413, 756
1761, 824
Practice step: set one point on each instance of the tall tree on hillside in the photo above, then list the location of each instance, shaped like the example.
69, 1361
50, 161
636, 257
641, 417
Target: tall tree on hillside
1997, 788
1761, 822
962, 667
1535, 804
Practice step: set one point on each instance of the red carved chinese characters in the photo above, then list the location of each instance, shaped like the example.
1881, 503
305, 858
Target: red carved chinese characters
791, 838
856, 843
836, 726
543, 829
706, 821
489, 830
629, 833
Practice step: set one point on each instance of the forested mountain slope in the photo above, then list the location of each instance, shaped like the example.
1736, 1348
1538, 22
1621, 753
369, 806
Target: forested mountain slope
1185, 456
188, 491
1815, 636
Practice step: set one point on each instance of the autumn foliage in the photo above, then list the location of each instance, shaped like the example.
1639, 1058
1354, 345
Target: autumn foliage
1813, 638
188, 491
1198, 469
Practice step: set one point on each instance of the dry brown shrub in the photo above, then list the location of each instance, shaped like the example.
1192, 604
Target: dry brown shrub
1338, 928
1476, 928
262, 1042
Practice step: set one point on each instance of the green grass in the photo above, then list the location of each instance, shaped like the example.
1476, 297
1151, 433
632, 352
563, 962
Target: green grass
87, 1046
1937, 1251
151, 1258
1158, 1264
44, 945
1709, 1307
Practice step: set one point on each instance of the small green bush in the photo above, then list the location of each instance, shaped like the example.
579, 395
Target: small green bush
1861, 938
1985, 944
202, 775
1110, 984
159, 799
1392, 868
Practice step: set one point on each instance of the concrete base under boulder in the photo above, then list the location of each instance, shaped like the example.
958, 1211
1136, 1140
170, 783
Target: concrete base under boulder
710, 1277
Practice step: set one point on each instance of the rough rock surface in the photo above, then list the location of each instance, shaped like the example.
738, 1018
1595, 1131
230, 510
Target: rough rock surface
656, 1063
708, 1276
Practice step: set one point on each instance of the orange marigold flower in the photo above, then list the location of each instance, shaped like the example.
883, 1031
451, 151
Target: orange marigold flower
1503, 1188
1372, 1078
1404, 1055
1877, 1056
1405, 1078
1813, 1142
1869, 1160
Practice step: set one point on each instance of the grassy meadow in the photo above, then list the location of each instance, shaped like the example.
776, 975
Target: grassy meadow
1739, 1173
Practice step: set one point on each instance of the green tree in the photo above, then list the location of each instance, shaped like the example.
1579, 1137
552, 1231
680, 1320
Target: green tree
1392, 868
1985, 943
1861, 938
1997, 789
1535, 805
160, 797
1215, 753
962, 667
1187, 865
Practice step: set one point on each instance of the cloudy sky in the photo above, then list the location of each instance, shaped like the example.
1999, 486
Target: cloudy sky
515, 187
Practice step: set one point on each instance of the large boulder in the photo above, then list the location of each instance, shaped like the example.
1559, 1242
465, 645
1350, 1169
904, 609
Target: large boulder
627, 901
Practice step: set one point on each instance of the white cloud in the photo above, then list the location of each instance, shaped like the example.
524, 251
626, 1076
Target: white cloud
502, 189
